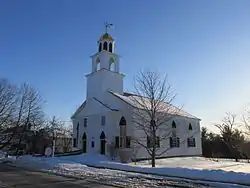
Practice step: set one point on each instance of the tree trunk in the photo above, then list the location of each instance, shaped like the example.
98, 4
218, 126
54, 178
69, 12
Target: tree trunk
153, 159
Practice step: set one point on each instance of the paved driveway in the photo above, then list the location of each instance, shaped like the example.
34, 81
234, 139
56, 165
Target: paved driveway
11, 177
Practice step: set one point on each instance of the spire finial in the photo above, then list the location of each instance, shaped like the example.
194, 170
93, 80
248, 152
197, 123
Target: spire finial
107, 25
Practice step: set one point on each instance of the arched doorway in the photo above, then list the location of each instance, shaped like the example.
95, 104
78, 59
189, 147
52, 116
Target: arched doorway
84, 143
102, 143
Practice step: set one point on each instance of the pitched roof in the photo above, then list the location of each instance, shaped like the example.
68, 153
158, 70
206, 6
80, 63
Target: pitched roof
83, 105
79, 109
135, 100
131, 99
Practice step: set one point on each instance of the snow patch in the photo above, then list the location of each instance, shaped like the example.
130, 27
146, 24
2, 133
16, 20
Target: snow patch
79, 165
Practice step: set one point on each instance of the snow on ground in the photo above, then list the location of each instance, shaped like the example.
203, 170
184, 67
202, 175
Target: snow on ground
200, 163
192, 167
74, 166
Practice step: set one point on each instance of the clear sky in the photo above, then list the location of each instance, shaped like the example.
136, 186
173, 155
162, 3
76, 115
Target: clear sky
203, 46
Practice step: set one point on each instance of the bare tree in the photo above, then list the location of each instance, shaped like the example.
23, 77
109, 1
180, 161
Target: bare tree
7, 107
231, 136
29, 114
153, 111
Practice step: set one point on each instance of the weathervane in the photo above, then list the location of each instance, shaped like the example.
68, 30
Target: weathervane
107, 25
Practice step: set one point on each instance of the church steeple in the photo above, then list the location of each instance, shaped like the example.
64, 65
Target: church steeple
105, 75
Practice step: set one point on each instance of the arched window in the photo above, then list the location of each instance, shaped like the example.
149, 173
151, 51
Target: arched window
123, 121
102, 143
105, 46
100, 46
84, 136
173, 125
190, 127
98, 64
110, 47
102, 136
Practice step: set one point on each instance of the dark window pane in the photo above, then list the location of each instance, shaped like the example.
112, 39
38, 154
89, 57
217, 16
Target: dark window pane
74, 142
117, 141
173, 124
128, 141
105, 46
190, 127
171, 142
110, 47
121, 139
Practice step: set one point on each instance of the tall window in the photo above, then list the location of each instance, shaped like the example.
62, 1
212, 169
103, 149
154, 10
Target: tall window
190, 127
191, 142
92, 144
117, 142
74, 142
110, 47
105, 46
103, 120
174, 142
85, 122
173, 125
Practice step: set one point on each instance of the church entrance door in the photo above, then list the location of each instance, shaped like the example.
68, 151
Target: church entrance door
102, 143
84, 143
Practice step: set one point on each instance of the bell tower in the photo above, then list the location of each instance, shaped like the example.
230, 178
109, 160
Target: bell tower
105, 75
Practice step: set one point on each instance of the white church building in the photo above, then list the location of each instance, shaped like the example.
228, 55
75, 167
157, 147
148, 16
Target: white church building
105, 117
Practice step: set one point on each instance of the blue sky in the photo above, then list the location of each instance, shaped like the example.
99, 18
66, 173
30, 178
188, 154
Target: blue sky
203, 46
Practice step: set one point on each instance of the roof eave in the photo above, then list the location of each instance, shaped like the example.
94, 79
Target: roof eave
78, 110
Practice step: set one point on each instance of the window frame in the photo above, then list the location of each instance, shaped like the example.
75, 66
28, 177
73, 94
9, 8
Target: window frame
103, 120
191, 142
85, 122
174, 142
150, 144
